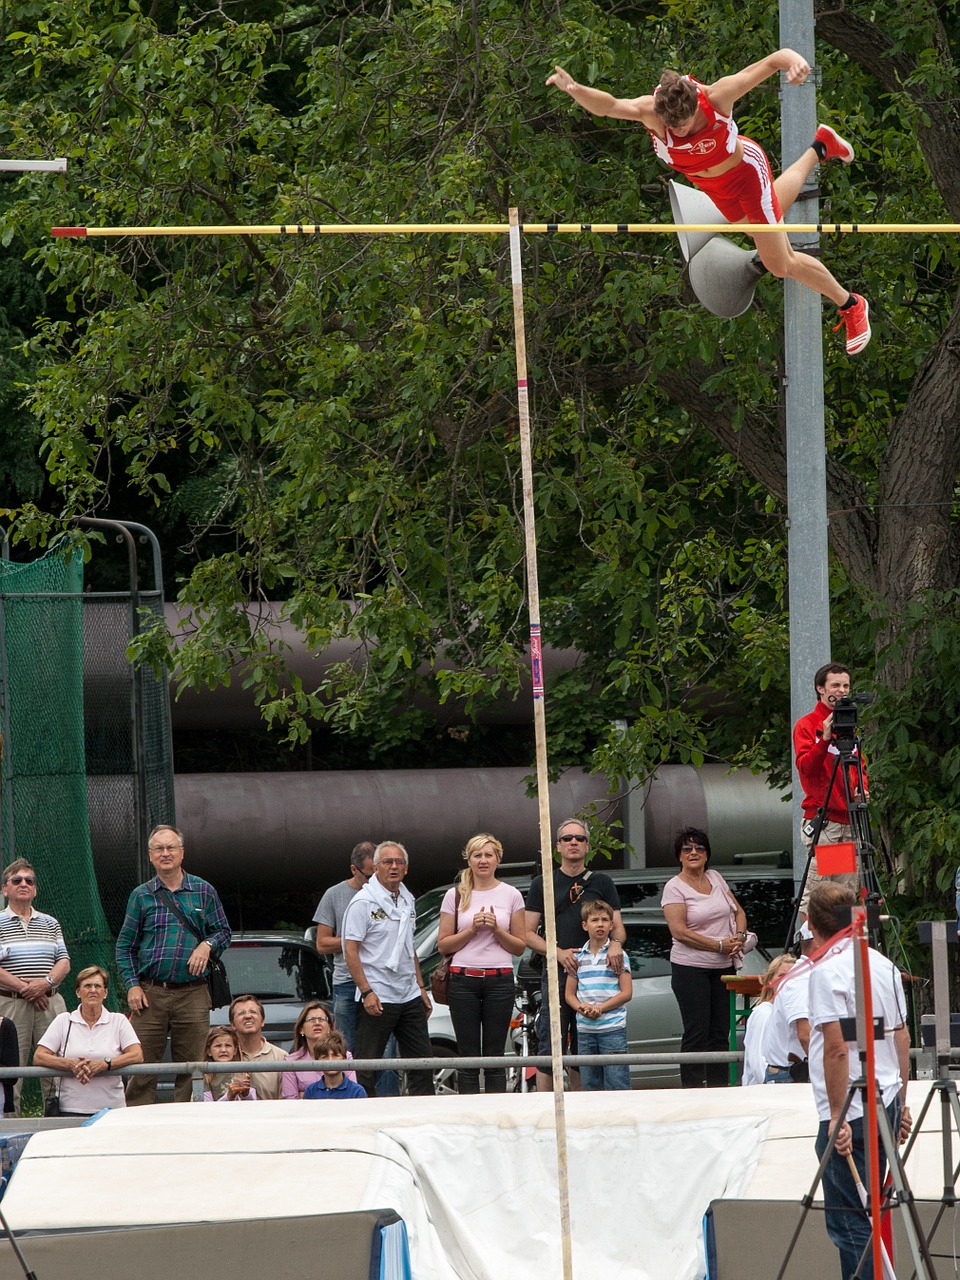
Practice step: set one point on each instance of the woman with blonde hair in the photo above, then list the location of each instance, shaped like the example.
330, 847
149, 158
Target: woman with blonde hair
481, 929
754, 1059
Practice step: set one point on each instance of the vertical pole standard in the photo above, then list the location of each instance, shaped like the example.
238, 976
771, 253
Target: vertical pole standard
807, 546
863, 986
540, 732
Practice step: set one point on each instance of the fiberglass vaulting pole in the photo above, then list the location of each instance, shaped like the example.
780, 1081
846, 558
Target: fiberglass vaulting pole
540, 731
807, 547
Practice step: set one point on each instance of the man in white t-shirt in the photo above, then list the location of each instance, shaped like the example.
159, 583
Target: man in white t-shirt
378, 947
835, 1067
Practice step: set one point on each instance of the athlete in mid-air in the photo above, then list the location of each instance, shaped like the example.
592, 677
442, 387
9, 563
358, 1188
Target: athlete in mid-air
692, 129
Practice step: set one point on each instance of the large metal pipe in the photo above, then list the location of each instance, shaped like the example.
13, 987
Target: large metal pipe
296, 830
232, 706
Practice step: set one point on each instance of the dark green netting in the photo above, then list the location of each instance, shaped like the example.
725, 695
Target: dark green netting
44, 785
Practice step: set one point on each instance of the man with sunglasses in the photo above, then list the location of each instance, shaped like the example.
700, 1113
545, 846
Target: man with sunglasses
33, 963
573, 884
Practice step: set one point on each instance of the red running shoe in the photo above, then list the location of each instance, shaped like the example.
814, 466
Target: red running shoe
857, 320
837, 148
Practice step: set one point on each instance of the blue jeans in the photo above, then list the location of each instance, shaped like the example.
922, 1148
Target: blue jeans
848, 1225
778, 1077
345, 1016
613, 1040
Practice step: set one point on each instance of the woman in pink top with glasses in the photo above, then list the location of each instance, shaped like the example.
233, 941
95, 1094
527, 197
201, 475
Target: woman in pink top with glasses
481, 929
708, 927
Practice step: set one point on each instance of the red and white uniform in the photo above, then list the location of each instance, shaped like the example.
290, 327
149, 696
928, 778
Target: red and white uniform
744, 192
707, 147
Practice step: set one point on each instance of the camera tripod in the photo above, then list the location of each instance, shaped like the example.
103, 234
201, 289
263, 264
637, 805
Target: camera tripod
847, 760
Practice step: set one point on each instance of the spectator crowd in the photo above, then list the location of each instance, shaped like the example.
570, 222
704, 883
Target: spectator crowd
175, 930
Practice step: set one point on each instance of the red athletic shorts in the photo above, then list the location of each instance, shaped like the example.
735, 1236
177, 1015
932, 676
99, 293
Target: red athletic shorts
745, 193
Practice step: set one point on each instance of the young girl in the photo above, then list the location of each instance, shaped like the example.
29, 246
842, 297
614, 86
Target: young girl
223, 1046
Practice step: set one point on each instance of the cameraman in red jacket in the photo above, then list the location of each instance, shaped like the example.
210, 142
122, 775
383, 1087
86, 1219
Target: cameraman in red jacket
816, 755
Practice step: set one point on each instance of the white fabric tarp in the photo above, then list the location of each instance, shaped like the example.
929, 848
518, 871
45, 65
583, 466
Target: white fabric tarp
475, 1179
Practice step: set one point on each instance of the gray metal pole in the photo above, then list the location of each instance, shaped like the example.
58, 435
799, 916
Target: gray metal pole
803, 396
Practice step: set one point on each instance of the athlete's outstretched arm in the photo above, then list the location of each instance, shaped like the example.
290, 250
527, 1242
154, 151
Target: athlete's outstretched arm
724, 92
600, 103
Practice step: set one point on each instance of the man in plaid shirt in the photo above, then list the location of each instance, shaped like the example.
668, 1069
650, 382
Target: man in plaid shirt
163, 964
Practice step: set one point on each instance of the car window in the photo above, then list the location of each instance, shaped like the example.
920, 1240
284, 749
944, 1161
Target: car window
276, 971
643, 894
427, 910
768, 904
648, 946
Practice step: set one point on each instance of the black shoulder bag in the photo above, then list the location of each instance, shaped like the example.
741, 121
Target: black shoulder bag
217, 974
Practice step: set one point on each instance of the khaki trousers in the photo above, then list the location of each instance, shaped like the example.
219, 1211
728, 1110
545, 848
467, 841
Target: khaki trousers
181, 1014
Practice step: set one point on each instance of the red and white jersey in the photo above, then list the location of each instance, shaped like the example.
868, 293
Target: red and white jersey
707, 147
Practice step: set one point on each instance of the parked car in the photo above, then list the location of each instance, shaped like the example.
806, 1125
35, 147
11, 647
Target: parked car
283, 971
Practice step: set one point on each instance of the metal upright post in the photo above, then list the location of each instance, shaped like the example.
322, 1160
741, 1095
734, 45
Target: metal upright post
809, 596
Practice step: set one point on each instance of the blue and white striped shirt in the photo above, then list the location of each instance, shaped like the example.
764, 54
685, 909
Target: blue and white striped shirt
597, 982
30, 948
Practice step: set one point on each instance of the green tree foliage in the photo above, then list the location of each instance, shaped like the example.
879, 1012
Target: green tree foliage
331, 421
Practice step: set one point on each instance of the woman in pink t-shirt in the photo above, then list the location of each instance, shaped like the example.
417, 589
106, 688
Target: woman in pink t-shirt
708, 927
481, 929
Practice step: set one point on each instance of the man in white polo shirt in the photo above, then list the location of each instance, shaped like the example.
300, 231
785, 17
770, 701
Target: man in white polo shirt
378, 947
33, 963
835, 1066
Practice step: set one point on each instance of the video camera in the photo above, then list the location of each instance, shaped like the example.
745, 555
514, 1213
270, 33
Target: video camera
845, 715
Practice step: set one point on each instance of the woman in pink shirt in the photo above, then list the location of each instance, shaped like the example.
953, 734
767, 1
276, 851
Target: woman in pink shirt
314, 1022
481, 929
708, 927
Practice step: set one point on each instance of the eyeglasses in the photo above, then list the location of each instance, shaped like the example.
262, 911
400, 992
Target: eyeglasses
689, 848
22, 880
321, 1018
579, 839
164, 848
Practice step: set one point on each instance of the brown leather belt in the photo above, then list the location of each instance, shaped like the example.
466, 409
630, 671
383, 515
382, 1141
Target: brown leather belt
13, 995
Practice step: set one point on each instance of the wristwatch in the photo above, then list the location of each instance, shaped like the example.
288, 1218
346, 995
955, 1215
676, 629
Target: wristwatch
108, 1062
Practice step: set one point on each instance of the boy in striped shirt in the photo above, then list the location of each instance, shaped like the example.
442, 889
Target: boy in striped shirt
600, 997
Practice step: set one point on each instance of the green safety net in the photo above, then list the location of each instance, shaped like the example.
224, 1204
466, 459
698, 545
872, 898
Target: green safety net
44, 785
